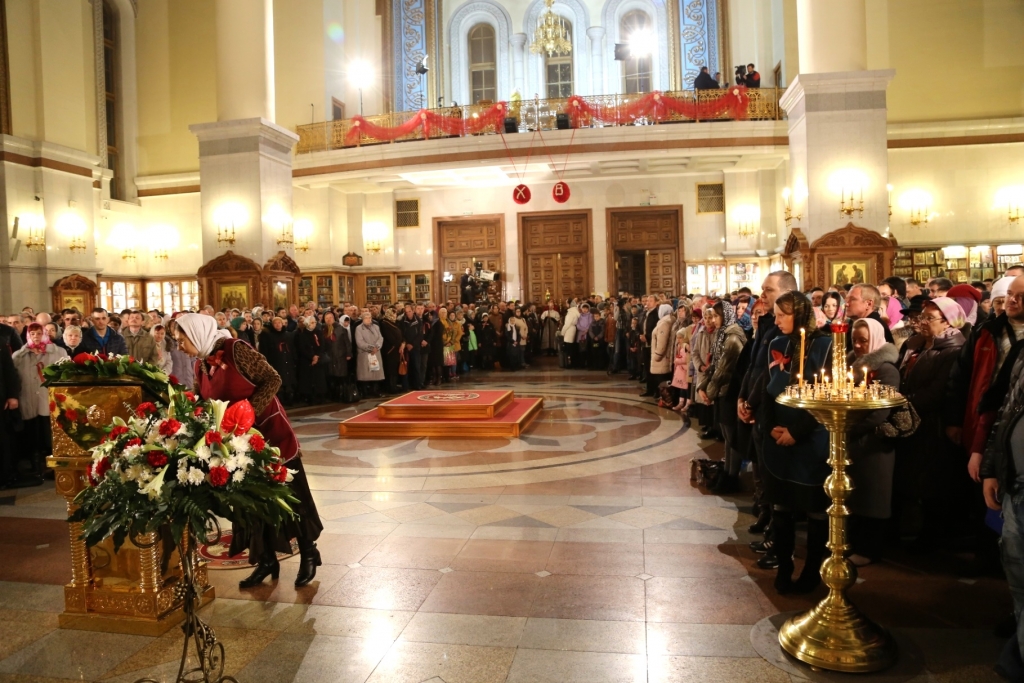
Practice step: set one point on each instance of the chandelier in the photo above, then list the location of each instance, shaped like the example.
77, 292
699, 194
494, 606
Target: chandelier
551, 36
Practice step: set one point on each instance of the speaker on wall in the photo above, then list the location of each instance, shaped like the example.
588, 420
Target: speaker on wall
511, 125
562, 121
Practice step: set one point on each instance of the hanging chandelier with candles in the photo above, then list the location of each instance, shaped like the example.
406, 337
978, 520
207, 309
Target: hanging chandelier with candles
551, 36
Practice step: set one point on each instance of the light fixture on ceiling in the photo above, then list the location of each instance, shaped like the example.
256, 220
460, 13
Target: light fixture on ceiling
551, 36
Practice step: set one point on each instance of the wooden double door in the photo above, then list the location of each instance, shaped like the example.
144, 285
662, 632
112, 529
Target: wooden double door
465, 241
555, 259
645, 249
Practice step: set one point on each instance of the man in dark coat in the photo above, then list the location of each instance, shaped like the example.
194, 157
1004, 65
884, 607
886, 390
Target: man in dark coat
650, 321
9, 338
466, 295
412, 336
10, 389
704, 81
101, 338
862, 302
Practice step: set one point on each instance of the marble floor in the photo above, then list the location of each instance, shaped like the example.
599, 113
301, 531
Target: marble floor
581, 552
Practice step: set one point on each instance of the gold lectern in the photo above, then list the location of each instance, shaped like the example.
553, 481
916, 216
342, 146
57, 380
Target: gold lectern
132, 590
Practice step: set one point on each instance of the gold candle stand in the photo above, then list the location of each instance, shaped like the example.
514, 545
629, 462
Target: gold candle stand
834, 635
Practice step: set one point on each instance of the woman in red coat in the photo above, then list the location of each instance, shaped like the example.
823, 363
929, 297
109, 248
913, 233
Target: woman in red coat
230, 370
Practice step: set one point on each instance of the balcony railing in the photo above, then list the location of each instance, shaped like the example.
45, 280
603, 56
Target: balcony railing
541, 115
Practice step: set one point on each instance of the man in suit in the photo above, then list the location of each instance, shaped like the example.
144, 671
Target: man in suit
704, 81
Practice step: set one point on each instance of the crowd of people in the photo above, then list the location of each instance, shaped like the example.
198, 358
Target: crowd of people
925, 474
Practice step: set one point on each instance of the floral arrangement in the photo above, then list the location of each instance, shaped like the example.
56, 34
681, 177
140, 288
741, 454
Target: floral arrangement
182, 466
101, 366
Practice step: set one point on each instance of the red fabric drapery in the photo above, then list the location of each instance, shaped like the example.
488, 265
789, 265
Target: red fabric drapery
432, 124
659, 106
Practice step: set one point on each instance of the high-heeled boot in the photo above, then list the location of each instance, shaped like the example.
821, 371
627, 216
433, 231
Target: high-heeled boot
268, 566
309, 560
810, 575
784, 533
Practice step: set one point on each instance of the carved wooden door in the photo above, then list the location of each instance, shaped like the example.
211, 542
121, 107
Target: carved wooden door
463, 243
556, 257
662, 272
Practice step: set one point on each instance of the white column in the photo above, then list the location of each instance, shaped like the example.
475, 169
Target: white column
832, 35
596, 35
518, 63
245, 59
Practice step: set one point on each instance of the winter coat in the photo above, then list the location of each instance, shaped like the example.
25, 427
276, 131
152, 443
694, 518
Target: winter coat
661, 347
700, 357
339, 350
279, 349
309, 344
140, 345
572, 316
872, 457
937, 461
34, 399
550, 323
112, 343
681, 365
716, 382
369, 342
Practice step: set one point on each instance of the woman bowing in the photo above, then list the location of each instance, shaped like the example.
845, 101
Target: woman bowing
230, 370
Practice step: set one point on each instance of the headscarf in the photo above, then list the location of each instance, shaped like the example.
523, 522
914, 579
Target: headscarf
663, 310
894, 312
876, 333
728, 318
202, 331
951, 311
348, 319
1001, 287
389, 315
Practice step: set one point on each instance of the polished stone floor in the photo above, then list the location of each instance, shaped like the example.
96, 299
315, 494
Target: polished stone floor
581, 552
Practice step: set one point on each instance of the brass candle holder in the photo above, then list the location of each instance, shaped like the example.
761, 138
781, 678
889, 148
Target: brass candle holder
835, 635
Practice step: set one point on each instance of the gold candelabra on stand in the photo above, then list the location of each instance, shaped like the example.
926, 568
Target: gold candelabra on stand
834, 635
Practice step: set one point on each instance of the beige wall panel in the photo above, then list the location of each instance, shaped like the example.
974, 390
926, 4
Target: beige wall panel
177, 76
23, 56
299, 62
956, 59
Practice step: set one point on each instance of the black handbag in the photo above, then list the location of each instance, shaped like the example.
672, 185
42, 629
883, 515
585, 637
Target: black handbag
901, 423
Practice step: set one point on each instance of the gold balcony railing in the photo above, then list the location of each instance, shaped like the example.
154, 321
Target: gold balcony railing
541, 115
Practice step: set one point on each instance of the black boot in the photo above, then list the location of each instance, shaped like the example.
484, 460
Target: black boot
810, 576
784, 540
265, 568
763, 517
309, 560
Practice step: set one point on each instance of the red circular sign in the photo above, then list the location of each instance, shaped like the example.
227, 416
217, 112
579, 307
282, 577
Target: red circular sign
560, 193
520, 194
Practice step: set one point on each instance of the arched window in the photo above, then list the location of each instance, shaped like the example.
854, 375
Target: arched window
111, 72
636, 31
482, 70
558, 70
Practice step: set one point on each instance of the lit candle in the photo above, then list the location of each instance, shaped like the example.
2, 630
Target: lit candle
864, 381
803, 340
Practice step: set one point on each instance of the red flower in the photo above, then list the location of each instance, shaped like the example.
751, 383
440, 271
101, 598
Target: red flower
190, 396
169, 426
278, 472
133, 442
257, 443
213, 437
156, 458
117, 431
83, 358
61, 397
198, 411
219, 476
173, 379
53, 406
130, 359
71, 415
145, 409
238, 418
101, 467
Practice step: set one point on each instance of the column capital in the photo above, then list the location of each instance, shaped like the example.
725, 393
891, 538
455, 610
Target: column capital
518, 40
841, 84
595, 33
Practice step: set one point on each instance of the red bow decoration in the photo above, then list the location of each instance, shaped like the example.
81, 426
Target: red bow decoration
779, 360
216, 361
239, 418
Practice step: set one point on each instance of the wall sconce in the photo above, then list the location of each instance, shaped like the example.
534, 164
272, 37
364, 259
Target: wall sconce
72, 225
848, 205
373, 237
162, 238
1010, 198
123, 237
228, 218
747, 218
36, 227
918, 204
888, 189
303, 229
787, 212
281, 222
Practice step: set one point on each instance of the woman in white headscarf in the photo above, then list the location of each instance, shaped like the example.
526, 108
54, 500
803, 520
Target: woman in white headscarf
228, 369
661, 350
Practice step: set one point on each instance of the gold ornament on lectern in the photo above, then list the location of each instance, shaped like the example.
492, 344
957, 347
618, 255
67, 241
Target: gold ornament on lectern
834, 635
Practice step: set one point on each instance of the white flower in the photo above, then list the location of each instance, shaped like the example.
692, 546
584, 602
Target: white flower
239, 444
132, 451
238, 462
219, 407
135, 473
238, 476
152, 489
291, 475
203, 452
61, 361
182, 471
216, 461
196, 476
